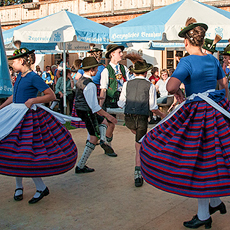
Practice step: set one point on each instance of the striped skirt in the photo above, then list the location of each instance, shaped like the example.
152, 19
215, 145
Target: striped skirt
189, 154
38, 146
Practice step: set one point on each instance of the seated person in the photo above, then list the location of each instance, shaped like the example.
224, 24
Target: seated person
161, 87
47, 76
155, 75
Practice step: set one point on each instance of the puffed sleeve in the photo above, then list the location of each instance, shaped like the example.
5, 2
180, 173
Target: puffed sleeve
183, 70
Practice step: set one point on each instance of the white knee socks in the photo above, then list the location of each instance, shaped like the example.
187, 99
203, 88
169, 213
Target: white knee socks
18, 185
89, 147
203, 209
40, 186
214, 202
102, 129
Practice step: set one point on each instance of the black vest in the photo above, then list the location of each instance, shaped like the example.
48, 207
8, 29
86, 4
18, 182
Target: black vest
137, 97
80, 102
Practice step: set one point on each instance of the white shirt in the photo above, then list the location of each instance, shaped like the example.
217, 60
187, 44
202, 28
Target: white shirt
105, 76
90, 94
162, 87
152, 95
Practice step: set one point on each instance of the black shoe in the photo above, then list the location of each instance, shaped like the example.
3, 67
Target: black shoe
139, 182
196, 223
154, 121
108, 149
138, 177
42, 194
18, 197
85, 169
111, 154
221, 207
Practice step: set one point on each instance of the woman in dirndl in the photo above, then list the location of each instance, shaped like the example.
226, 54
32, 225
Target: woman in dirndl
33, 143
188, 153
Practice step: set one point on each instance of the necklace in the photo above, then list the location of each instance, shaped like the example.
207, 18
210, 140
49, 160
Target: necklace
26, 72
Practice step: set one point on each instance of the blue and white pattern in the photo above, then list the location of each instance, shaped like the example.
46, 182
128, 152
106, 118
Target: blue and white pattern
5, 81
170, 20
62, 27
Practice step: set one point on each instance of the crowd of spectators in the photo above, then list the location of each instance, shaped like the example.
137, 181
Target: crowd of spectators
53, 76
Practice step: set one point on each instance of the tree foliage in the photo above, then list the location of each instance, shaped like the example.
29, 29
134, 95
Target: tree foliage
13, 2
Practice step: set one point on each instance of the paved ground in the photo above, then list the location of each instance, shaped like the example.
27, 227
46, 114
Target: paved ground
104, 200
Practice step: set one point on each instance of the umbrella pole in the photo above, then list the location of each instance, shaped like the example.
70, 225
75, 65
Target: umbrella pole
64, 79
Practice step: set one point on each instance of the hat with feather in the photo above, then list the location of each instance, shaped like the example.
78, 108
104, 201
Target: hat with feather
139, 64
210, 44
226, 51
190, 24
93, 48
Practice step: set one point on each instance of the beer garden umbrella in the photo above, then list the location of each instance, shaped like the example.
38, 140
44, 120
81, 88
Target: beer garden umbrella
62, 27
5, 81
164, 24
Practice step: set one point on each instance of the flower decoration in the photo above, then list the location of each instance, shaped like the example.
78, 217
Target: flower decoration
23, 50
20, 51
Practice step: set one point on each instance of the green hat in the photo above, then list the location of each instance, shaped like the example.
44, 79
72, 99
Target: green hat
208, 45
20, 53
94, 50
141, 67
226, 51
89, 62
190, 27
111, 48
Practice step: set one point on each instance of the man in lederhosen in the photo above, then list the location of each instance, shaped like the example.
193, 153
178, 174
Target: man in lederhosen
112, 80
88, 109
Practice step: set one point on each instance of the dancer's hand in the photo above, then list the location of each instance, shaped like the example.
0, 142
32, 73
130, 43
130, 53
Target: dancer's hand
180, 97
29, 102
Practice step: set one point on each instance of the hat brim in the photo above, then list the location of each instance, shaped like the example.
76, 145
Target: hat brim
114, 48
211, 50
94, 51
223, 53
20, 55
148, 67
190, 27
91, 66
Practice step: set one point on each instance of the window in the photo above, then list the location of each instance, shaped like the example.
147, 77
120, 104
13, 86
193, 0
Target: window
170, 60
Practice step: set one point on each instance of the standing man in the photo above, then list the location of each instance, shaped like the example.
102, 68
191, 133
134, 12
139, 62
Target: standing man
138, 97
112, 80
